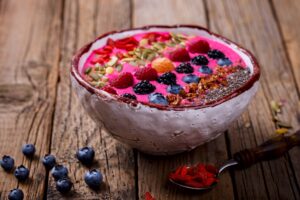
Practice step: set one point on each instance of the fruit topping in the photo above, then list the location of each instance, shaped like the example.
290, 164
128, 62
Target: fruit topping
59, 172
144, 87
22, 173
198, 46
179, 55
109, 89
123, 80
224, 62
185, 68
49, 161
86, 155
64, 185
215, 54
162, 65
129, 96
7, 163
200, 60
158, 98
168, 78
204, 69
146, 73
190, 78
93, 179
174, 89
16, 194
128, 43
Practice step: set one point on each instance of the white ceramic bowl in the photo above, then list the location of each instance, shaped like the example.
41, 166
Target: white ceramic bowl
153, 129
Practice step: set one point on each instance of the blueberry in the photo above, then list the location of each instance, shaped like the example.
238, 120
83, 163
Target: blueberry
21, 173
215, 54
16, 194
224, 62
204, 69
158, 98
144, 87
129, 96
59, 172
93, 179
185, 68
200, 60
168, 78
49, 161
86, 155
28, 150
7, 163
190, 78
174, 89
64, 185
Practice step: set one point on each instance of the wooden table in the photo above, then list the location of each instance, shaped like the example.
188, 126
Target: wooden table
37, 104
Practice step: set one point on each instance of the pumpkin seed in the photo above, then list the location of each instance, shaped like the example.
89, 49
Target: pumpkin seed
143, 42
119, 68
88, 70
112, 61
94, 76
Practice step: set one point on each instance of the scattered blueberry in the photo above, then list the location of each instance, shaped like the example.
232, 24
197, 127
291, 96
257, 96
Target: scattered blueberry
59, 172
168, 78
21, 173
200, 60
49, 161
174, 89
185, 68
190, 78
16, 194
86, 155
158, 98
144, 87
64, 185
129, 96
28, 150
204, 69
93, 179
224, 62
215, 54
7, 163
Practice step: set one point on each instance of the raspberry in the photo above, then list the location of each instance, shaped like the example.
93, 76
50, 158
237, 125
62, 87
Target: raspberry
124, 80
200, 60
162, 65
146, 73
168, 78
215, 54
185, 68
109, 89
144, 87
179, 55
198, 46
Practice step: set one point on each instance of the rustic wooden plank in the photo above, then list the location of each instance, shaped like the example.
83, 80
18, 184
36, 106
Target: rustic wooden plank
153, 171
252, 24
29, 57
290, 30
73, 128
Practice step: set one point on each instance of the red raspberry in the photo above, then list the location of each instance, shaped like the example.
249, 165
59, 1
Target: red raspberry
109, 89
179, 55
146, 73
124, 80
198, 46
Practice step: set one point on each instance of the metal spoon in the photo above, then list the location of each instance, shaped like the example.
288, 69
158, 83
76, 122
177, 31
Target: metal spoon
269, 150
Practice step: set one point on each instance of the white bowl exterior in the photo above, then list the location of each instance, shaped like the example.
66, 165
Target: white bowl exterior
156, 131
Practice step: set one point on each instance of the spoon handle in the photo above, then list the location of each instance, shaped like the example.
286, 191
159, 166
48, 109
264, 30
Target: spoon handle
271, 149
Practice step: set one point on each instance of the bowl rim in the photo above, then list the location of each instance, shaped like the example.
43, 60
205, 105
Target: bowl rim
100, 93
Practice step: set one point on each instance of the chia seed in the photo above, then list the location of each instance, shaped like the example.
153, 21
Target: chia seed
235, 81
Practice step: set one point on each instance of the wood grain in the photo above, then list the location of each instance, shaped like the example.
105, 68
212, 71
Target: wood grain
153, 171
73, 128
252, 24
29, 55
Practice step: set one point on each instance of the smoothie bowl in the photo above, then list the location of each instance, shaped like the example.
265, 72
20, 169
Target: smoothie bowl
164, 89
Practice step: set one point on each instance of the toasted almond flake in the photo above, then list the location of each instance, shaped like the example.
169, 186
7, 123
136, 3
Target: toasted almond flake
281, 131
